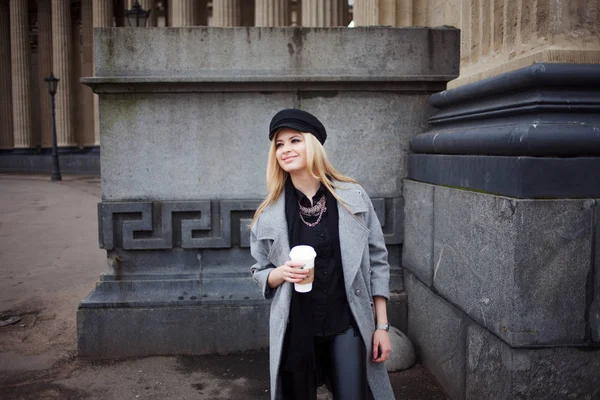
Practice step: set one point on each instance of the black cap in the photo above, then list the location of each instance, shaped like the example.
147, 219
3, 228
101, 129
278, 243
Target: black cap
298, 120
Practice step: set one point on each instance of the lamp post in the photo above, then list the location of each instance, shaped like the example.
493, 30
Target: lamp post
52, 82
137, 16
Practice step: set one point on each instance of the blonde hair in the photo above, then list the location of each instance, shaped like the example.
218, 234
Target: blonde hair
318, 167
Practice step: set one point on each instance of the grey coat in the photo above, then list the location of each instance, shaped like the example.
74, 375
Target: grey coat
366, 274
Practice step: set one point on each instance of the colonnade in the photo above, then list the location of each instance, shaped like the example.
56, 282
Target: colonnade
40, 36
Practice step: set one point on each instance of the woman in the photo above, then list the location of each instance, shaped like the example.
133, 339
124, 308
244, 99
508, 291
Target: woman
338, 332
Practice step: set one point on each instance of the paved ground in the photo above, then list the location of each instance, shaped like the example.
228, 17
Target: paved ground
49, 260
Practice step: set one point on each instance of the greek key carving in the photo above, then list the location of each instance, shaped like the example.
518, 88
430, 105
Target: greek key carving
155, 225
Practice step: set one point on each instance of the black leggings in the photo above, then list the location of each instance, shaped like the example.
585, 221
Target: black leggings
342, 358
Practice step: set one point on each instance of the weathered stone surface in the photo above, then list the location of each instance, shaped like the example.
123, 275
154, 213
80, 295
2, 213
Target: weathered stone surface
273, 52
186, 146
198, 135
374, 128
518, 267
172, 330
594, 316
497, 371
417, 252
438, 332
403, 352
176, 152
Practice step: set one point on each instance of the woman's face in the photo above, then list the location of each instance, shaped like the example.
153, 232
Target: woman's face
291, 150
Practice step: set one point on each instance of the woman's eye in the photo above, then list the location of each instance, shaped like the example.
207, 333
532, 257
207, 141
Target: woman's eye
278, 145
295, 140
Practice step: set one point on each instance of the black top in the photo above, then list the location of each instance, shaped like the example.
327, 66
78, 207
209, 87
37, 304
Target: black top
327, 299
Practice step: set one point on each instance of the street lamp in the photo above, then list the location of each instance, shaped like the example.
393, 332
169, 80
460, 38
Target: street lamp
137, 16
52, 82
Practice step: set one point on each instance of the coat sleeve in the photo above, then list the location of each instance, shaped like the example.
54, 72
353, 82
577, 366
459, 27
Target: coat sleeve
378, 255
261, 270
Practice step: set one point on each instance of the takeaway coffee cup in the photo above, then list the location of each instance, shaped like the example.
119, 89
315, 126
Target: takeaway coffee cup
306, 255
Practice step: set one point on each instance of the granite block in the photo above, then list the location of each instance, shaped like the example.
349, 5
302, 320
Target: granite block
497, 371
438, 332
518, 267
417, 253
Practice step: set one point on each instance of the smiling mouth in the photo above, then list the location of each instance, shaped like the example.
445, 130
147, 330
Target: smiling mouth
289, 158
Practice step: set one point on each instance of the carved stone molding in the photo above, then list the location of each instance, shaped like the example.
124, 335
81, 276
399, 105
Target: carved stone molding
202, 224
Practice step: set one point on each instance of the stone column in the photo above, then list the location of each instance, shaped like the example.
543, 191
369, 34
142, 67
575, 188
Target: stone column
324, 13
102, 16
6, 128
362, 11
44, 17
272, 13
184, 12
384, 12
21, 74
226, 13
76, 72
62, 52
87, 69
498, 37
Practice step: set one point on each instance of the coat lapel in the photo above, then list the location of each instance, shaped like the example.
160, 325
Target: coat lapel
353, 234
274, 226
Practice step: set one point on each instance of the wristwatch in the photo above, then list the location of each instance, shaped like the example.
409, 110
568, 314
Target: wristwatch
385, 327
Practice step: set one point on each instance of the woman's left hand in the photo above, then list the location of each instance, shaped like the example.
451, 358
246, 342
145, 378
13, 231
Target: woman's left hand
382, 346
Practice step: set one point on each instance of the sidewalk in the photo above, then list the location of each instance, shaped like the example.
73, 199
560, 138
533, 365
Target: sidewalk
49, 261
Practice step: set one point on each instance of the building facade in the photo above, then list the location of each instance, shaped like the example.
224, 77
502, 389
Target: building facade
42, 36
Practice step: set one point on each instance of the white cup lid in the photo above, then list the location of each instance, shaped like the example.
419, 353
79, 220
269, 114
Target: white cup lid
302, 253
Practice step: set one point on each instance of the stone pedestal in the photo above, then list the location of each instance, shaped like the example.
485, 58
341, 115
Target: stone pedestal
175, 230
501, 236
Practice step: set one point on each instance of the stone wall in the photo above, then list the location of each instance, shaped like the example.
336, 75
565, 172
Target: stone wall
183, 125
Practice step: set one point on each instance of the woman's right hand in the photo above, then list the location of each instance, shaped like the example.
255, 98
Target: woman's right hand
292, 271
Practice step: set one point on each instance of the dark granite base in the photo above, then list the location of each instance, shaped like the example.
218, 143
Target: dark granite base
171, 330
522, 177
